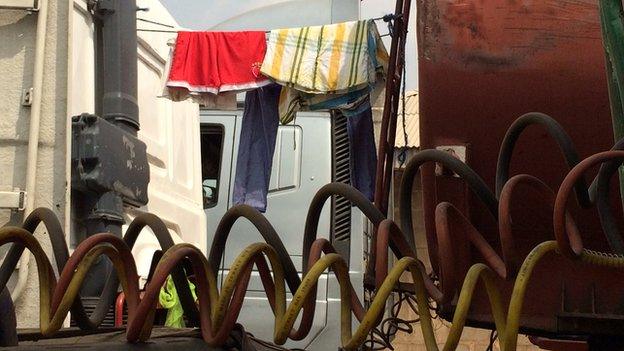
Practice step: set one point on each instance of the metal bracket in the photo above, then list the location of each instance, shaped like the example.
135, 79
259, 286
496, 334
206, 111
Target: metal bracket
458, 151
106, 159
104, 7
27, 97
14, 200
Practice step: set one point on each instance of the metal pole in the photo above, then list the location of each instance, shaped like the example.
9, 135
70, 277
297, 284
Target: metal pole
388, 124
119, 64
116, 89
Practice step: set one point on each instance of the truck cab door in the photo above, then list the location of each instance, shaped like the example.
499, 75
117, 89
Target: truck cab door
302, 164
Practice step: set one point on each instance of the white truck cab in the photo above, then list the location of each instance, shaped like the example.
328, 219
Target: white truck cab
309, 153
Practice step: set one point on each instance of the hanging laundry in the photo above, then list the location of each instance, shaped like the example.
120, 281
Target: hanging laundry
256, 147
348, 101
290, 102
331, 59
363, 162
356, 107
332, 67
211, 67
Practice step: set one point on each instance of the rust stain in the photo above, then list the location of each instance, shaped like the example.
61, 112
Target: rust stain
504, 33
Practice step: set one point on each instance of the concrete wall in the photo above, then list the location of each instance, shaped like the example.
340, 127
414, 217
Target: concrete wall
17, 46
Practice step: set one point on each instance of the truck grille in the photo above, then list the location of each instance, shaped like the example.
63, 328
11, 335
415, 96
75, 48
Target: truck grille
341, 172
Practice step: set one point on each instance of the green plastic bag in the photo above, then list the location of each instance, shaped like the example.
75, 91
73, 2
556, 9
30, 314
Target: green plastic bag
168, 298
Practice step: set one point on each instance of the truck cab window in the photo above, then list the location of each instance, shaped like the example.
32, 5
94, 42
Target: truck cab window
211, 153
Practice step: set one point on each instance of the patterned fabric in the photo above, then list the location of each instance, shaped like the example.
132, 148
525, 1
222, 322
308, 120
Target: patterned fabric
331, 59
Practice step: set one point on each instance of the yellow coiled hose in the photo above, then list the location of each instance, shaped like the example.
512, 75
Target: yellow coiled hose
215, 309
218, 316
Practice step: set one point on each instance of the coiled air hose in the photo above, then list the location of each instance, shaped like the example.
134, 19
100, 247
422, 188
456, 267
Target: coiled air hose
510, 260
599, 189
557, 133
448, 216
474, 181
454, 232
310, 252
61, 255
566, 232
600, 192
84, 321
60, 249
219, 309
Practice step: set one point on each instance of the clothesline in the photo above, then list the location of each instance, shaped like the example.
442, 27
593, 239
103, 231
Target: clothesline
385, 18
175, 31
154, 22
280, 78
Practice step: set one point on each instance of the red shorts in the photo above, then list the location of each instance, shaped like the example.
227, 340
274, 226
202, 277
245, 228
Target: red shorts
214, 62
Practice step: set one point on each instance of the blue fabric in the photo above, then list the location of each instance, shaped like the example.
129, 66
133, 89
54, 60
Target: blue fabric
336, 101
256, 147
363, 163
362, 148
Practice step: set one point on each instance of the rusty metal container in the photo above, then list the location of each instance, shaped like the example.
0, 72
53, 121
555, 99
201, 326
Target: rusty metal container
482, 64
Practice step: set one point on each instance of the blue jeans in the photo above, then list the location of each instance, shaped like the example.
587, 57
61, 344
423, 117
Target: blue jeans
362, 149
256, 147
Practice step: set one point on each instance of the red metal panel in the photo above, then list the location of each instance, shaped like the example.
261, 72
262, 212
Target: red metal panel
482, 64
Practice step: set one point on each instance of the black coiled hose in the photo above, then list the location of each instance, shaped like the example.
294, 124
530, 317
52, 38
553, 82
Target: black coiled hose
474, 181
556, 131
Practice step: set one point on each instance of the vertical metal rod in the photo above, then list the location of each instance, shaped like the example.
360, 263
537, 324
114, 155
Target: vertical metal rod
388, 124
116, 89
98, 64
385, 158
33, 134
